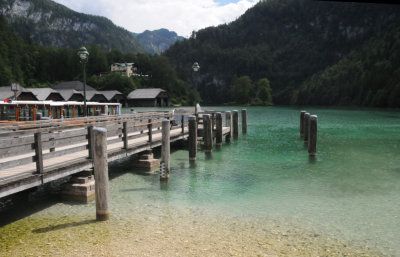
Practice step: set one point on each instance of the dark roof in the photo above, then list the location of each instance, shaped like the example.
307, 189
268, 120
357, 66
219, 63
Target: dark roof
43, 93
6, 93
77, 85
110, 94
68, 93
145, 93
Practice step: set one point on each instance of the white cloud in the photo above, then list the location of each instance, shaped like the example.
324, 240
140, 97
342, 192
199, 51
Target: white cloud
181, 16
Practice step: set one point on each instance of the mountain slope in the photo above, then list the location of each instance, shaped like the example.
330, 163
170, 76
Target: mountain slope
52, 24
284, 41
157, 41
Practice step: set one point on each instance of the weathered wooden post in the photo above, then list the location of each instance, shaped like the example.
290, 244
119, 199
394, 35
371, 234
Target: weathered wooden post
218, 137
125, 134
165, 150
228, 122
101, 173
192, 138
207, 133
312, 137
150, 130
183, 124
302, 123
90, 138
244, 121
305, 127
38, 152
235, 119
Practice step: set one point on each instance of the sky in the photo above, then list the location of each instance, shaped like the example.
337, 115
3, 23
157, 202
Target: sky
181, 16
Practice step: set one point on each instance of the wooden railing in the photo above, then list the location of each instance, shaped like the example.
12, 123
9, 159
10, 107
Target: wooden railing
34, 142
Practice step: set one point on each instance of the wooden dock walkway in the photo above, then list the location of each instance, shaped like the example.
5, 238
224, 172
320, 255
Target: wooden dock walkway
35, 153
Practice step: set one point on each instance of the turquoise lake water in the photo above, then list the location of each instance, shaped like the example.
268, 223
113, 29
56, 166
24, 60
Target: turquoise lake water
350, 191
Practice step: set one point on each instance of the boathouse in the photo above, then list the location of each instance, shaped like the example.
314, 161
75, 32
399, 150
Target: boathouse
114, 96
22, 94
71, 95
77, 85
148, 97
47, 94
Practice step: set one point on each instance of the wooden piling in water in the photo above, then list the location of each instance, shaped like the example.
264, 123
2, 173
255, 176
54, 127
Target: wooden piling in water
228, 123
165, 150
235, 120
218, 137
302, 123
207, 133
192, 138
101, 173
312, 140
305, 127
244, 121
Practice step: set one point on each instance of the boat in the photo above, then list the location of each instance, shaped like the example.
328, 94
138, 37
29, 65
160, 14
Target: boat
15, 111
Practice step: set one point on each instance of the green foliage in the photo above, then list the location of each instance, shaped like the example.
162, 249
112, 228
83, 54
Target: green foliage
290, 42
241, 90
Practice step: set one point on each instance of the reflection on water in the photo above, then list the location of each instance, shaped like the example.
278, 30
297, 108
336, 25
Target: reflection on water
260, 194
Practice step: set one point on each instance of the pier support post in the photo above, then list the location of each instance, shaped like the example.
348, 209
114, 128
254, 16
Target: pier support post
125, 134
244, 121
150, 130
207, 133
228, 122
90, 142
38, 152
192, 138
218, 140
183, 124
235, 118
165, 150
306, 130
101, 173
302, 123
312, 137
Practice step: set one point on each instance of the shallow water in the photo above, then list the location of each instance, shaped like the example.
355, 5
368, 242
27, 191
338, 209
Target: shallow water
261, 195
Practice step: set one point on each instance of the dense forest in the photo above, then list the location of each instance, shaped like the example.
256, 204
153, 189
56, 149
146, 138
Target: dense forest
33, 65
311, 52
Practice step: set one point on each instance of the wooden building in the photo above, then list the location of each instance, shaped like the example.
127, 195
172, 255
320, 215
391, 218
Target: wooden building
22, 94
47, 94
148, 97
114, 96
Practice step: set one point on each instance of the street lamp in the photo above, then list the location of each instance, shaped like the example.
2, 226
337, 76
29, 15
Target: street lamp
196, 66
84, 55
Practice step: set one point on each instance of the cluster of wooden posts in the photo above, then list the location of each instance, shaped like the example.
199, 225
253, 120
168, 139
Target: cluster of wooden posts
209, 133
308, 131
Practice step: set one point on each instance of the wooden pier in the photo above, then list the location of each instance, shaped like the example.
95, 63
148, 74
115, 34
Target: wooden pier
37, 152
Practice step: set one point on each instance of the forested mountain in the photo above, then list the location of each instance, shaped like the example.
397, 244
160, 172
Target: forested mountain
33, 65
312, 52
51, 24
157, 41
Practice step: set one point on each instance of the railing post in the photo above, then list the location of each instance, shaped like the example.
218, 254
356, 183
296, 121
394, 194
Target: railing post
192, 138
38, 152
312, 140
101, 173
306, 130
125, 133
218, 137
235, 119
165, 150
228, 121
150, 128
244, 121
302, 113
207, 133
90, 138
183, 124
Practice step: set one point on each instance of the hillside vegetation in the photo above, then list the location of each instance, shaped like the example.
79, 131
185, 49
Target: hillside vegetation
312, 52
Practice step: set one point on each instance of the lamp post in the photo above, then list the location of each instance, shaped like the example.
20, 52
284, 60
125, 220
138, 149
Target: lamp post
196, 66
84, 55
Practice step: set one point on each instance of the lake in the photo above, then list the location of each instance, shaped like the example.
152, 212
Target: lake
260, 195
